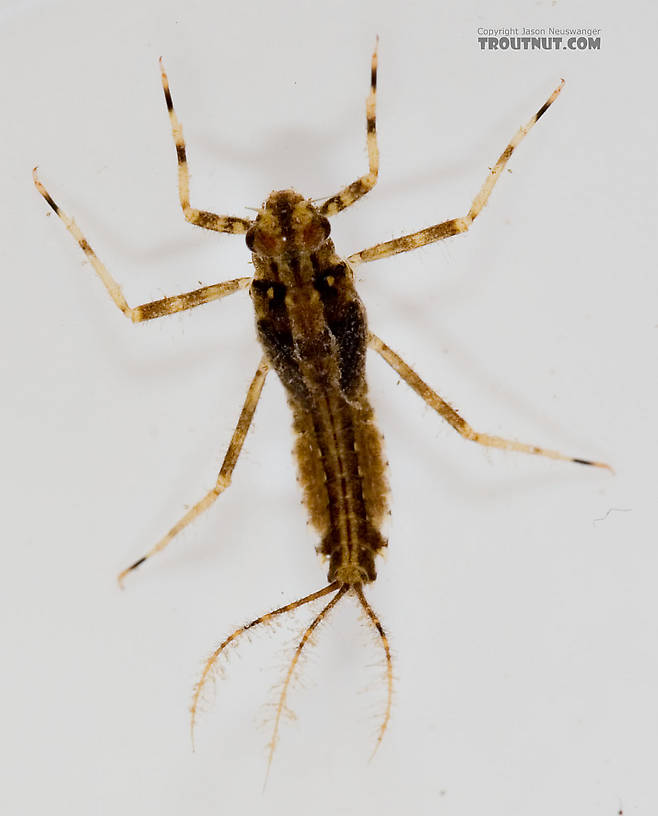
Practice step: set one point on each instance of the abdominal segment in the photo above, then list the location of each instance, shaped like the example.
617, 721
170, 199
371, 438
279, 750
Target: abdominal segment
342, 473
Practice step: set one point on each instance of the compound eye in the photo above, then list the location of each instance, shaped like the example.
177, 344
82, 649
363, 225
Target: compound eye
316, 232
263, 243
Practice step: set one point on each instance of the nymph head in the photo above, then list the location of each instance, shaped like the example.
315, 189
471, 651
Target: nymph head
287, 224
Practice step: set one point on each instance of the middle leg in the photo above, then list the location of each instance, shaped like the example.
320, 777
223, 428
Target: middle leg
147, 311
458, 423
200, 218
224, 477
456, 225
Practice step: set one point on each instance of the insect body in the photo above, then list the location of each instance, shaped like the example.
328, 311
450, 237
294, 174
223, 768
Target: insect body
312, 327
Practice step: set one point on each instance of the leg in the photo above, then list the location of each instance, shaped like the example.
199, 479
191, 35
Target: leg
201, 218
146, 311
450, 415
453, 227
212, 660
224, 478
363, 185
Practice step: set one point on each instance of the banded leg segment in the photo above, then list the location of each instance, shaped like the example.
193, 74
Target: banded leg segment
225, 474
450, 415
361, 186
147, 311
200, 218
454, 226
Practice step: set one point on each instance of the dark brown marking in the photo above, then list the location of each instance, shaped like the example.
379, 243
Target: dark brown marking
283, 212
315, 263
205, 219
294, 264
168, 99
157, 308
52, 203
354, 191
357, 188
137, 563
506, 153
543, 110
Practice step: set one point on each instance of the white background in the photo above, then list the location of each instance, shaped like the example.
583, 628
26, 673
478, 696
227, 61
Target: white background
519, 593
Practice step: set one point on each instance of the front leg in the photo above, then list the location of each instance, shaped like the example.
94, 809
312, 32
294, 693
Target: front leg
357, 189
200, 218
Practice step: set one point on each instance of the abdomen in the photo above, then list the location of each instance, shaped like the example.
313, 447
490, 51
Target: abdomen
342, 472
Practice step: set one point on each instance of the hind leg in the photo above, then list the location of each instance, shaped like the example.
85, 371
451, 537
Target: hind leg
224, 477
453, 418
